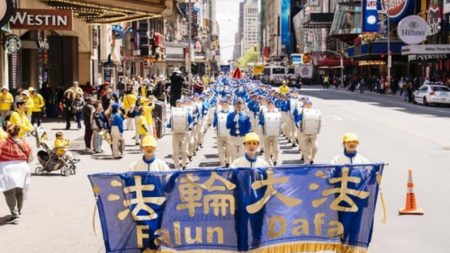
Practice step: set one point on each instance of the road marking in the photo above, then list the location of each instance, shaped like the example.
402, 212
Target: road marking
334, 117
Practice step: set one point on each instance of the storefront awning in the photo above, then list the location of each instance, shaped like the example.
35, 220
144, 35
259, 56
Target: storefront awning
375, 51
112, 11
333, 62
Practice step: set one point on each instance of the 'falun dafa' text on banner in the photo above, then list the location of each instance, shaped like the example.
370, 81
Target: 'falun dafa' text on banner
287, 209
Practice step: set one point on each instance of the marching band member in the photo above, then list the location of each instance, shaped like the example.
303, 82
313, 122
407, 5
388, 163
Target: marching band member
148, 105
180, 122
192, 145
307, 137
142, 125
149, 162
270, 121
259, 130
199, 108
350, 154
291, 129
238, 122
250, 158
223, 136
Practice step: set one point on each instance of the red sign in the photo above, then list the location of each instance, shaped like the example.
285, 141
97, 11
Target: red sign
395, 8
41, 19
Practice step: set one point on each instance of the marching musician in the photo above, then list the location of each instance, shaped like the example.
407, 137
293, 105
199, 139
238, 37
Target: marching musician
180, 123
250, 158
238, 122
223, 136
307, 139
270, 122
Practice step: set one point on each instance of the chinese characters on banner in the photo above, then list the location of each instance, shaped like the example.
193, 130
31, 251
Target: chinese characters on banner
294, 208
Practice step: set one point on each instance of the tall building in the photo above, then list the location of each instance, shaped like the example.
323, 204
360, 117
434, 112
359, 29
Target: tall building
251, 25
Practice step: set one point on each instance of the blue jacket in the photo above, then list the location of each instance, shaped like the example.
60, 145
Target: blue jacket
117, 120
245, 126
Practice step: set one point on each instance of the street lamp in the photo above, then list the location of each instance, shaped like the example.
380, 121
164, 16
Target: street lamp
189, 67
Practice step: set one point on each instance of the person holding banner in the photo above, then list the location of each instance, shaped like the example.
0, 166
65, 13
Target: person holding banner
250, 159
149, 162
350, 154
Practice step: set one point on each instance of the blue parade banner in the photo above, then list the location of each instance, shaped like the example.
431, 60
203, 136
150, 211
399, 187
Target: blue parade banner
290, 209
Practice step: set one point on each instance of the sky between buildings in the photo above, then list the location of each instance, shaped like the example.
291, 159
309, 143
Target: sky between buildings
227, 12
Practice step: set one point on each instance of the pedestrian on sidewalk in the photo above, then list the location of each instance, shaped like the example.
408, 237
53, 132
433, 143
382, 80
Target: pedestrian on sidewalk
250, 158
15, 154
117, 132
77, 107
38, 105
67, 108
149, 162
99, 125
6, 104
87, 112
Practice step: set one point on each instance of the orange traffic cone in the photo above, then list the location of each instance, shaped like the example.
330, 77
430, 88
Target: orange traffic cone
410, 206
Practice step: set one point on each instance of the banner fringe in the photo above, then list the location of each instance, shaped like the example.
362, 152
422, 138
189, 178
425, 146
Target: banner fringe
298, 247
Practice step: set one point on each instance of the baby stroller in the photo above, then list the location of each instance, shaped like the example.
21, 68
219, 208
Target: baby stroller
50, 161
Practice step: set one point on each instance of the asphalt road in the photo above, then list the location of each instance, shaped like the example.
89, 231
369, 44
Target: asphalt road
59, 212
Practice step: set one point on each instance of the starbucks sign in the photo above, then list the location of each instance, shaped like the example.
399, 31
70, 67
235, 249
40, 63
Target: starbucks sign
413, 30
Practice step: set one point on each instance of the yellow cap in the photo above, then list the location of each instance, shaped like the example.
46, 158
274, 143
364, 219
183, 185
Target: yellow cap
350, 137
31, 89
251, 137
284, 82
149, 141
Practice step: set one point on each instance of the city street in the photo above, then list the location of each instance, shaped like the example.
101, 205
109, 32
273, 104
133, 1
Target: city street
58, 216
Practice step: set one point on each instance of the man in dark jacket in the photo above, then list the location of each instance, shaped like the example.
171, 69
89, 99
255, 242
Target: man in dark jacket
87, 111
176, 80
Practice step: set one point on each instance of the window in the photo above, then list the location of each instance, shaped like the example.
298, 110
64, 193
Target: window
439, 88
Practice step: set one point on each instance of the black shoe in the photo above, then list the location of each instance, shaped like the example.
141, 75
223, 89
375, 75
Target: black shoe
190, 158
184, 168
312, 162
274, 163
302, 160
227, 165
201, 145
293, 145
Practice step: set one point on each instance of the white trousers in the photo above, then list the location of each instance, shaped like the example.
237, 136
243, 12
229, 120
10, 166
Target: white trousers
117, 142
308, 147
271, 149
236, 148
179, 145
223, 150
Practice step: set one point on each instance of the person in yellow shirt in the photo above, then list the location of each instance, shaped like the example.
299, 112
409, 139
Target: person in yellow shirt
148, 105
20, 118
29, 104
59, 147
129, 103
6, 101
3, 134
38, 104
284, 89
142, 125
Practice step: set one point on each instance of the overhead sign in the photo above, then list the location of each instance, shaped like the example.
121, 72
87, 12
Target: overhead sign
6, 10
370, 14
12, 43
396, 9
426, 49
434, 18
413, 30
427, 57
42, 19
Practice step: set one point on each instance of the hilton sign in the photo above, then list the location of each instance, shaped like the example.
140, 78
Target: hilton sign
37, 19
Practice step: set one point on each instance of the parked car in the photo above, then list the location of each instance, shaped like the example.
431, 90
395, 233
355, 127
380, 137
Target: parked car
432, 94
